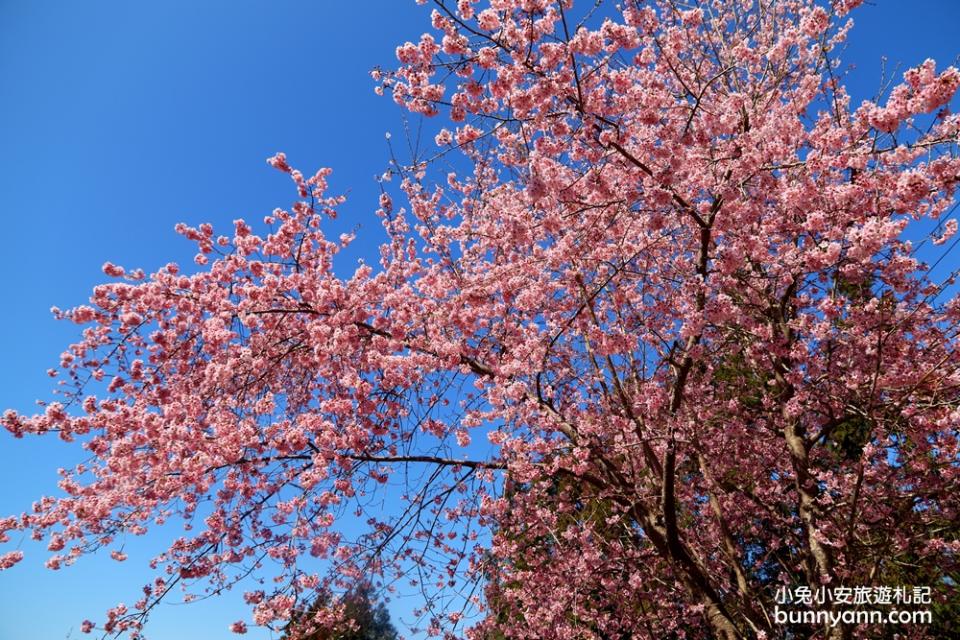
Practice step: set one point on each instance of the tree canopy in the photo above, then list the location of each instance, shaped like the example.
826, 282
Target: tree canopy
661, 343
362, 618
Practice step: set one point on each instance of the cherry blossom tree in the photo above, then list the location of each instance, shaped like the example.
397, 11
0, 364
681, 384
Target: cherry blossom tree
661, 344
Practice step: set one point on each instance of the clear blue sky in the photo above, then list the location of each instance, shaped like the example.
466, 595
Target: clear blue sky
119, 119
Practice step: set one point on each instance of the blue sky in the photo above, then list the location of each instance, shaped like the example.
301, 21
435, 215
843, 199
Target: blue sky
119, 119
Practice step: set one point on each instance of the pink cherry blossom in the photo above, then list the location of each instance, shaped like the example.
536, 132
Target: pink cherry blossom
655, 345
